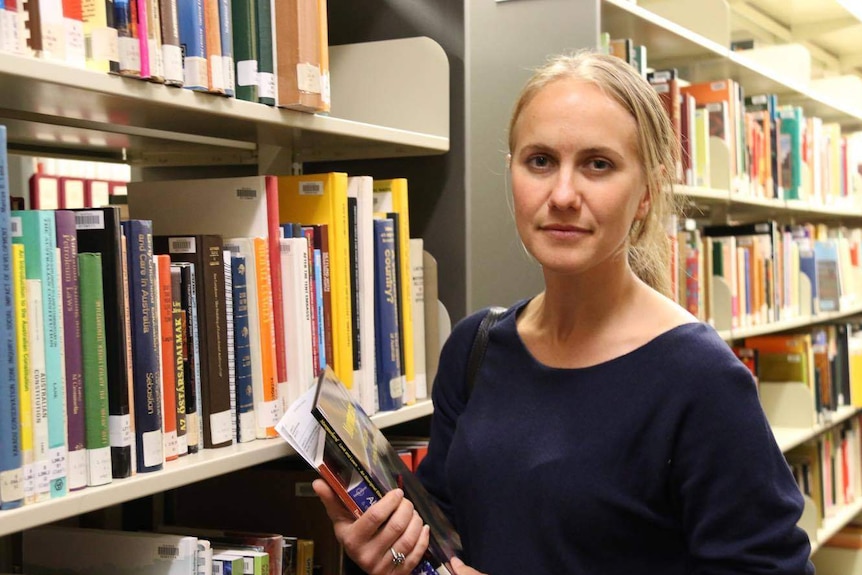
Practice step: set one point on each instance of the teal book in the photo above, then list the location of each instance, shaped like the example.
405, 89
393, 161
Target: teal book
39, 238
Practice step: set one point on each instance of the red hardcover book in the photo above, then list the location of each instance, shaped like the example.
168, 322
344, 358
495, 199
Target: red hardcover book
168, 344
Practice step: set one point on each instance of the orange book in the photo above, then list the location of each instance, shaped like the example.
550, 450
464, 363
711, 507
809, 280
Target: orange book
212, 39
267, 326
798, 344
166, 324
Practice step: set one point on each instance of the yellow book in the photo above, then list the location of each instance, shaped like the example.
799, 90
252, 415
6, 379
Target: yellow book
25, 406
322, 199
391, 196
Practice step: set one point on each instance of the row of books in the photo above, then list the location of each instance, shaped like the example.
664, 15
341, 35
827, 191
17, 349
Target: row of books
264, 51
172, 550
742, 275
69, 184
751, 144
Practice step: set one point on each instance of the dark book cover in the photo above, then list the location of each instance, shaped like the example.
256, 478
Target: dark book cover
353, 239
242, 352
146, 370
400, 245
205, 252
191, 356
379, 464
99, 232
67, 242
321, 243
390, 380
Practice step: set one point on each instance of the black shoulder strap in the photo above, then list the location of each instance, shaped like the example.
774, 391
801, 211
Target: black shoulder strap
480, 343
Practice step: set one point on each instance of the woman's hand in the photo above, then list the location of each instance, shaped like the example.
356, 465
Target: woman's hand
459, 568
388, 538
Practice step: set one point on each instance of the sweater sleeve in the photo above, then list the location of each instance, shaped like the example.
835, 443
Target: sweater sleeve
449, 395
738, 501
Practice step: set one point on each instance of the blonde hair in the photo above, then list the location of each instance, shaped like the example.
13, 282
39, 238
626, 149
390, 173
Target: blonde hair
649, 248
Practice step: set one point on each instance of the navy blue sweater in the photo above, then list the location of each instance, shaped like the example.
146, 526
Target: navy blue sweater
658, 462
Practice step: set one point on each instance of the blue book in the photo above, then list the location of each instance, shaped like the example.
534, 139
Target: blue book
39, 238
225, 17
390, 385
10, 436
146, 368
190, 14
242, 352
318, 297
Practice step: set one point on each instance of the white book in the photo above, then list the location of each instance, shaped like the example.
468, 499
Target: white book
245, 247
295, 283
362, 187
417, 276
38, 393
67, 550
231, 357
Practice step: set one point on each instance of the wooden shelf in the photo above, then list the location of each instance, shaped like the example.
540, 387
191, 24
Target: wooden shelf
50, 107
183, 471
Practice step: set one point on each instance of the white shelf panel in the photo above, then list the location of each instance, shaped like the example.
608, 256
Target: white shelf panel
183, 471
779, 326
60, 107
790, 437
700, 59
765, 207
834, 523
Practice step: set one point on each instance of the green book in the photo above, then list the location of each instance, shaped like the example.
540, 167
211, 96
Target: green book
96, 431
266, 89
245, 51
254, 562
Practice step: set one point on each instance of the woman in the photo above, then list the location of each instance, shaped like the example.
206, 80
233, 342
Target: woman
609, 431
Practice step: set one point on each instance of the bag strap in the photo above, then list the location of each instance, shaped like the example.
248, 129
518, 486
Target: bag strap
480, 343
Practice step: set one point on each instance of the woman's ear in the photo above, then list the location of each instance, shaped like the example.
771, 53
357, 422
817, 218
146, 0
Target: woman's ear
509, 160
644, 205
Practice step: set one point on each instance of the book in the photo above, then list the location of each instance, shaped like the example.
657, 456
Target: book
297, 55
99, 232
107, 552
100, 36
432, 315
11, 460
44, 192
297, 315
171, 51
322, 199
242, 352
126, 23
390, 383
39, 237
25, 376
225, 16
417, 276
229, 329
180, 341
95, 369
378, 464
191, 356
245, 48
391, 196
67, 242
205, 252
212, 42
190, 16
267, 89
146, 370
38, 393
165, 319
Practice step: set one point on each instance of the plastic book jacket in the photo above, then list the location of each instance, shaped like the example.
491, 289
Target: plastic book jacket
336, 437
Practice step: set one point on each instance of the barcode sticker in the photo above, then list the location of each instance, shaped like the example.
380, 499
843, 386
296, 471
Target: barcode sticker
90, 220
168, 551
15, 228
313, 188
246, 194
182, 246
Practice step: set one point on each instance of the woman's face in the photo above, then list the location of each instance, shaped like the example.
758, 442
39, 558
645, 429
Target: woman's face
577, 179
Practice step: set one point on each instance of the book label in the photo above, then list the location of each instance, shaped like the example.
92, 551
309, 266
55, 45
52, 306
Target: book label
308, 78
173, 61
266, 85
11, 485
43, 483
99, 466
15, 227
153, 445
246, 73
268, 413
29, 473
58, 458
78, 468
120, 430
182, 246
313, 188
130, 54
103, 44
171, 443
221, 427
90, 220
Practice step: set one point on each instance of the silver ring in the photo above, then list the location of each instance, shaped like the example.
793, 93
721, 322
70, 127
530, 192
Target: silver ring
397, 558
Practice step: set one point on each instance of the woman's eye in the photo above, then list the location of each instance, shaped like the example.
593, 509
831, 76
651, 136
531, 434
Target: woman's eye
539, 161
600, 165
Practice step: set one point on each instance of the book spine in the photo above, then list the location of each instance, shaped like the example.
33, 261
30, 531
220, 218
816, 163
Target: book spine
226, 37
168, 351
100, 37
38, 392
11, 479
321, 319
179, 352
172, 54
407, 384
129, 51
356, 300
244, 19
417, 276
212, 39
190, 14
321, 244
215, 393
95, 369
67, 242
266, 86
389, 382
25, 402
145, 346
73, 28
154, 41
231, 366
297, 314
273, 229
142, 19
99, 232
272, 407
242, 352
191, 358
318, 360
129, 387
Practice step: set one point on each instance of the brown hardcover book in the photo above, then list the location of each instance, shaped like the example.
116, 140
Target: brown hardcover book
297, 47
205, 252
